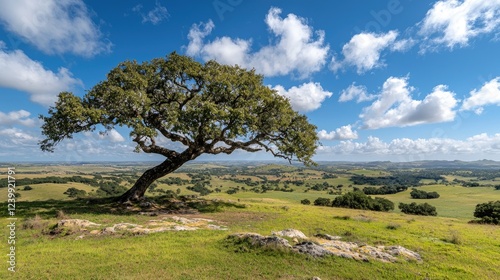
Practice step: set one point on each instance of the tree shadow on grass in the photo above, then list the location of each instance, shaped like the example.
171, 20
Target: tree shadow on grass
49, 208
110, 206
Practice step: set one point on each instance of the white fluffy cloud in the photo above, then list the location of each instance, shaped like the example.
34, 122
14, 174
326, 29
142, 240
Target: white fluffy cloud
481, 143
154, 16
110, 135
359, 93
395, 107
488, 94
296, 48
18, 71
305, 98
14, 137
113, 136
364, 50
20, 117
454, 22
342, 133
54, 26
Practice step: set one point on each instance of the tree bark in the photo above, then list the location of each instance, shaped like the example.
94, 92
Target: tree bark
136, 193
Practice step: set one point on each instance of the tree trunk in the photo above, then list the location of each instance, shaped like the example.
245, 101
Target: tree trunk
136, 193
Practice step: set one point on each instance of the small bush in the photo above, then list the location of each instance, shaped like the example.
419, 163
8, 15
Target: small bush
359, 200
27, 188
305, 201
413, 208
74, 192
321, 201
419, 194
455, 238
60, 215
393, 226
488, 213
34, 223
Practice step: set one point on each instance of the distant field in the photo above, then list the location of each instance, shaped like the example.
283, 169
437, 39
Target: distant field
368, 172
51, 191
454, 201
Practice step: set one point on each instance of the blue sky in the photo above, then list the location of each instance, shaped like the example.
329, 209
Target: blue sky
396, 80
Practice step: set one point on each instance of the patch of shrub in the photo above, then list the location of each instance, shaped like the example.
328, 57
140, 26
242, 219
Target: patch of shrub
384, 190
424, 209
60, 215
497, 187
345, 218
488, 213
305, 201
419, 194
359, 200
321, 201
27, 188
34, 223
200, 188
74, 192
393, 226
454, 238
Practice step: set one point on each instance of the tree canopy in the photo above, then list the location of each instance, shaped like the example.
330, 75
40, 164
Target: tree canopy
208, 108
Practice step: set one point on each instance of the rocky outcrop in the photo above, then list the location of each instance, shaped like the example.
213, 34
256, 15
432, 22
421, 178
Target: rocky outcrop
292, 233
255, 239
327, 236
173, 223
76, 223
311, 249
323, 245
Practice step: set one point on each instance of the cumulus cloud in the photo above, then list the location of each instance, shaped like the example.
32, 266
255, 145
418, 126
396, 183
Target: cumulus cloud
305, 98
454, 22
22, 144
342, 133
20, 117
15, 137
488, 94
484, 143
364, 51
18, 71
112, 135
395, 107
54, 26
154, 16
355, 92
296, 48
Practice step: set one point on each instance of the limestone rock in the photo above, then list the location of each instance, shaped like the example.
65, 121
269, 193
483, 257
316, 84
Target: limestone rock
327, 236
76, 223
405, 253
311, 249
263, 241
292, 233
327, 245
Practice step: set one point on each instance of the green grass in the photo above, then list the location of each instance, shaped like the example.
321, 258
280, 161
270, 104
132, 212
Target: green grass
51, 191
204, 255
451, 248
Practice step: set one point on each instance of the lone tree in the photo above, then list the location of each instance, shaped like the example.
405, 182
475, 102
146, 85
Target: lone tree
208, 108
